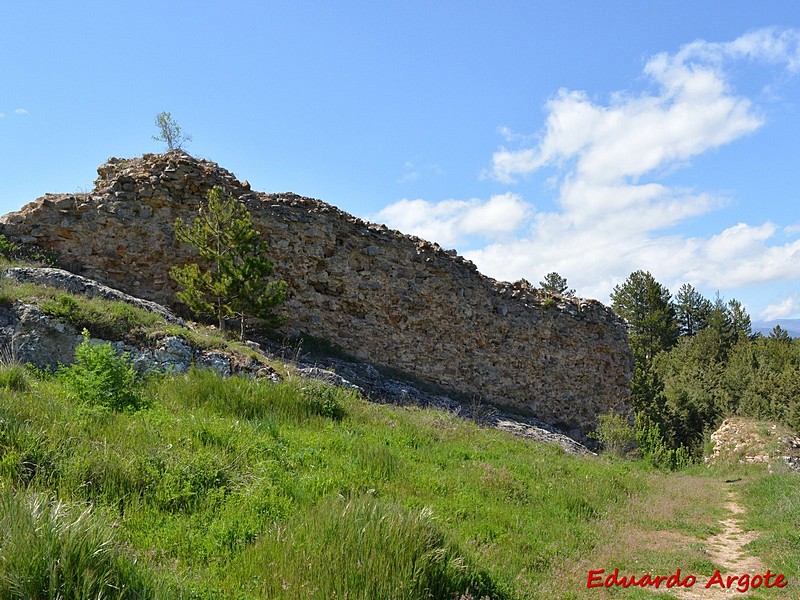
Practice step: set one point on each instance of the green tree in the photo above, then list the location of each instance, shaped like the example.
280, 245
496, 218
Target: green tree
779, 334
691, 310
693, 396
740, 320
719, 319
232, 279
554, 283
645, 305
170, 132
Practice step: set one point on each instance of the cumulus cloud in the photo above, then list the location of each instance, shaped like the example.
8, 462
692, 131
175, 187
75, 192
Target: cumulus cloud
785, 308
690, 112
614, 212
450, 222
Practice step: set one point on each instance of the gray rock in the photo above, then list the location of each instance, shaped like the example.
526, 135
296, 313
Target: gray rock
366, 379
326, 376
219, 362
76, 284
35, 338
30, 336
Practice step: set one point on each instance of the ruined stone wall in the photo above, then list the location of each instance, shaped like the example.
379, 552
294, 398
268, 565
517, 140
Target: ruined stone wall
385, 297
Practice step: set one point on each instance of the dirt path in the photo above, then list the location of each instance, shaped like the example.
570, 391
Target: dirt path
726, 549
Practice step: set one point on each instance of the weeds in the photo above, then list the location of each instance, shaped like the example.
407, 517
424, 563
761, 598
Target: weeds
361, 549
14, 379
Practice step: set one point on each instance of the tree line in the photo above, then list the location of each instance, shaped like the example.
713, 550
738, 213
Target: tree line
698, 361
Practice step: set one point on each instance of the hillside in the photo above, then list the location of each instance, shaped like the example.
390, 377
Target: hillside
233, 488
196, 466
282, 487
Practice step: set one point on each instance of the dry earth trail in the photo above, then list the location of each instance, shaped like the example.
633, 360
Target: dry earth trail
681, 522
727, 549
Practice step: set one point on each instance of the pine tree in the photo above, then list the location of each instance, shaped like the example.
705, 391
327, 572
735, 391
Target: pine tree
645, 304
231, 280
691, 310
170, 132
740, 320
554, 283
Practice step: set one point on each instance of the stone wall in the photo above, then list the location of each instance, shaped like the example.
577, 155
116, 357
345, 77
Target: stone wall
385, 297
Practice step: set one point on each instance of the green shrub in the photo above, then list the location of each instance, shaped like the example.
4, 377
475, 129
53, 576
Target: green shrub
12, 252
618, 438
7, 249
654, 449
615, 434
100, 377
324, 400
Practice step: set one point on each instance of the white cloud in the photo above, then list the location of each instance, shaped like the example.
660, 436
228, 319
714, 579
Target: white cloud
450, 222
615, 214
786, 308
609, 160
410, 176
691, 113
20, 111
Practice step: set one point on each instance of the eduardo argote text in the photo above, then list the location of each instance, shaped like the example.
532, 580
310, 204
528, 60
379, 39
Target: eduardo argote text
740, 583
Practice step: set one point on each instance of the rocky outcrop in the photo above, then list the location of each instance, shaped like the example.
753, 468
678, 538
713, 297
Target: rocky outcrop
30, 336
745, 441
379, 295
76, 284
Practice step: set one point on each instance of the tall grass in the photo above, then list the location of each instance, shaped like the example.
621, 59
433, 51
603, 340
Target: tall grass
360, 549
50, 551
294, 400
14, 378
773, 503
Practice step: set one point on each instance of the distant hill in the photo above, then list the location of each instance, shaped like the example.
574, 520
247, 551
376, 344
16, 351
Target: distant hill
792, 326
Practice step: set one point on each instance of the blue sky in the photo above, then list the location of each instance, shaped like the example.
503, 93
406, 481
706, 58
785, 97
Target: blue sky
592, 138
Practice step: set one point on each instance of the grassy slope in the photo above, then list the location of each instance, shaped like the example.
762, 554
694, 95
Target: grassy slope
228, 488
217, 473
253, 490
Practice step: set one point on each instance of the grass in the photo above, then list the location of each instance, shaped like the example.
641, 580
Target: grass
52, 550
226, 488
400, 554
773, 503
231, 488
